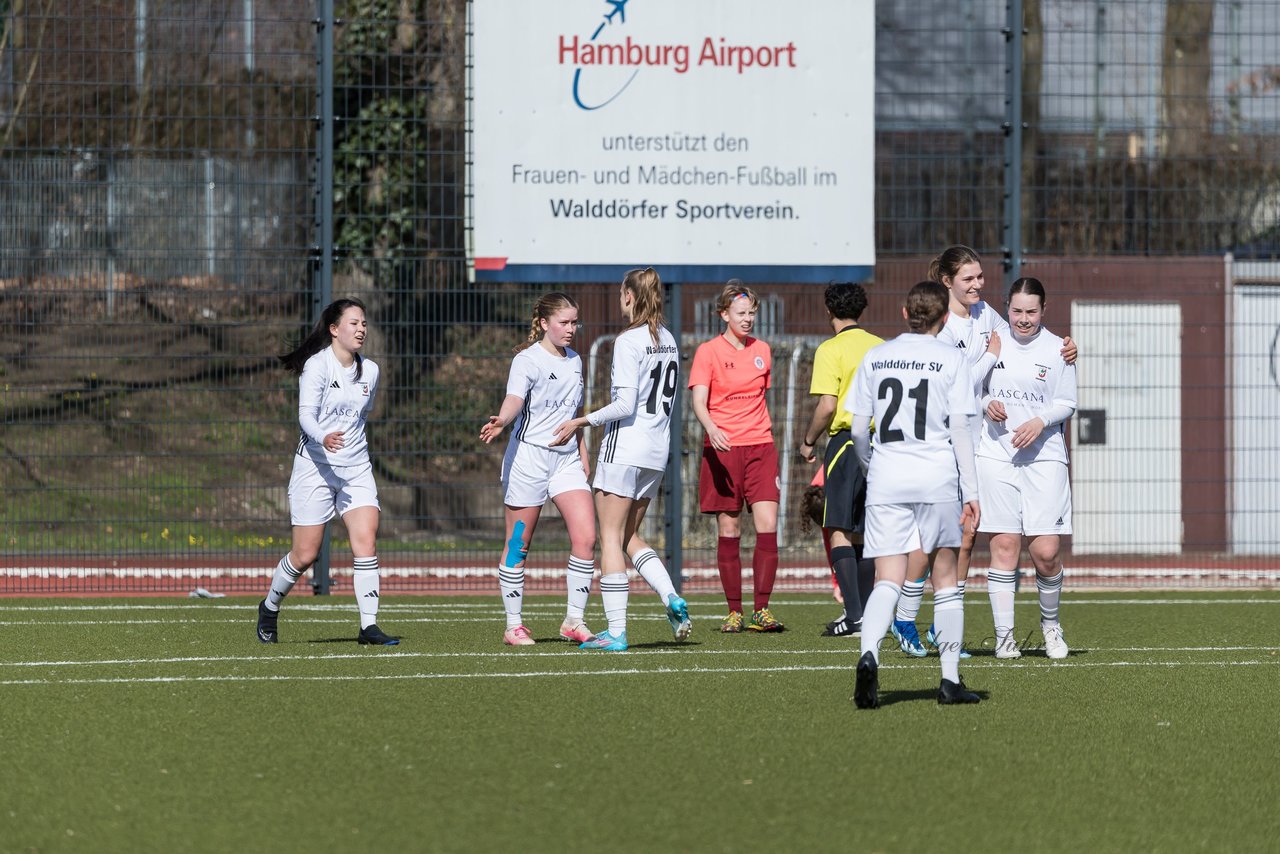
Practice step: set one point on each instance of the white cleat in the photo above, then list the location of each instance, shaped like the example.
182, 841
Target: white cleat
1054, 646
1007, 649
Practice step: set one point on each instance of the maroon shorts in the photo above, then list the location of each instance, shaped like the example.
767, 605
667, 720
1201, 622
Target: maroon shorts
743, 473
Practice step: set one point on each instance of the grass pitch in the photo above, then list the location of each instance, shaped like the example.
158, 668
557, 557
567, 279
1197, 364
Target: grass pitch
162, 725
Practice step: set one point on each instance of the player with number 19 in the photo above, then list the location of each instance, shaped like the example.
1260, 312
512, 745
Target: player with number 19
920, 395
633, 456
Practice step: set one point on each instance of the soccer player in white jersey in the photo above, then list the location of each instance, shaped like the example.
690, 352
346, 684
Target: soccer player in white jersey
975, 328
543, 388
1022, 465
332, 472
919, 394
633, 456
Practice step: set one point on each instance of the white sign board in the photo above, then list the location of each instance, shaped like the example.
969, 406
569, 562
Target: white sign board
709, 138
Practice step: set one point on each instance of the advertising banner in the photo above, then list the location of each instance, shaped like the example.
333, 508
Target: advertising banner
708, 138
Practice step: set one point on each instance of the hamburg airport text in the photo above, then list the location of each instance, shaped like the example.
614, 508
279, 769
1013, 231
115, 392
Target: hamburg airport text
678, 57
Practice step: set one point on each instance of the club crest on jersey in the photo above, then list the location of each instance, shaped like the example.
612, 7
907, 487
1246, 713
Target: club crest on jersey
1044, 372
364, 389
759, 363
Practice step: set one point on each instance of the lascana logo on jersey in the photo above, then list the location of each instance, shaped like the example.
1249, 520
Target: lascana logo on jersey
712, 52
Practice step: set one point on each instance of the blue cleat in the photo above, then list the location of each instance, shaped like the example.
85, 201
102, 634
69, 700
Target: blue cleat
678, 616
931, 638
908, 637
607, 642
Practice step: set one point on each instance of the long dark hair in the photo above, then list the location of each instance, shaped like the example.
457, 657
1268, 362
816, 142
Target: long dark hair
320, 338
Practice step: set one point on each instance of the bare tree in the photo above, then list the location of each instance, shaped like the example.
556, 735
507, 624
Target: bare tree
1185, 67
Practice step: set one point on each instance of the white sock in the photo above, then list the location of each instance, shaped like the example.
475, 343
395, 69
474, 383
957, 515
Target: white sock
614, 589
1000, 589
511, 584
364, 576
877, 616
948, 618
909, 603
650, 567
1050, 594
578, 579
282, 582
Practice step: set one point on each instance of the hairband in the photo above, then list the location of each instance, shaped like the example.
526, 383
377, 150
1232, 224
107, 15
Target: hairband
743, 296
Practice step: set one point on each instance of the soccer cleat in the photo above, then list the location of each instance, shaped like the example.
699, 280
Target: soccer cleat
578, 633
1008, 649
678, 616
732, 624
1054, 645
267, 620
519, 636
374, 636
842, 628
908, 638
607, 642
932, 640
952, 693
866, 688
764, 621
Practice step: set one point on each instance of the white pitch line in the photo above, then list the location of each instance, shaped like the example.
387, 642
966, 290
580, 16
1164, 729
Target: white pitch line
685, 651
538, 607
658, 671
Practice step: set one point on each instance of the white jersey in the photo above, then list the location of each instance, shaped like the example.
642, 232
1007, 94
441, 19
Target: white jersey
910, 387
1030, 378
551, 387
972, 334
330, 398
651, 372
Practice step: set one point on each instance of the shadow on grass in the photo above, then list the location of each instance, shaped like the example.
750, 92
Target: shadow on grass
352, 640
889, 698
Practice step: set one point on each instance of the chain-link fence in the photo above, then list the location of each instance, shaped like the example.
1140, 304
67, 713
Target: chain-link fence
182, 184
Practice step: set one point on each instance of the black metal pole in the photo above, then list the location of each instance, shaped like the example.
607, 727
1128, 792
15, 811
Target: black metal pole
672, 487
1013, 127
322, 285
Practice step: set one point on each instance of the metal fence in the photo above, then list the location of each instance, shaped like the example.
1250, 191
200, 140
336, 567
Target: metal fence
183, 183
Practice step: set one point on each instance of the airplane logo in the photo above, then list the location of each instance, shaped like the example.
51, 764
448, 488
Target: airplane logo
619, 9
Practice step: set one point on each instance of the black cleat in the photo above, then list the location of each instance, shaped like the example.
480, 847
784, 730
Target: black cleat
951, 693
866, 691
377, 637
842, 628
267, 623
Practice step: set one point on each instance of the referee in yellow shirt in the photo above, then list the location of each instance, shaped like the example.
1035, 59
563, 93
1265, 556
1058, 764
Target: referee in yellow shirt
834, 366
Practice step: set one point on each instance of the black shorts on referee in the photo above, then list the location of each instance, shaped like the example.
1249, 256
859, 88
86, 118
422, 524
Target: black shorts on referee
846, 487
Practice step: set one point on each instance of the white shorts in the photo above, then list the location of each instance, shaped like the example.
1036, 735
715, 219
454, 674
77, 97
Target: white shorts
628, 481
319, 492
532, 474
899, 529
1028, 498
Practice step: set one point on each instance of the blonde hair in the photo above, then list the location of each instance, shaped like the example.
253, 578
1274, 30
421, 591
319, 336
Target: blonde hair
733, 289
949, 262
646, 287
926, 305
543, 309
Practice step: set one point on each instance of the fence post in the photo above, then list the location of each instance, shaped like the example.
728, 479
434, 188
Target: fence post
672, 488
1012, 229
322, 251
